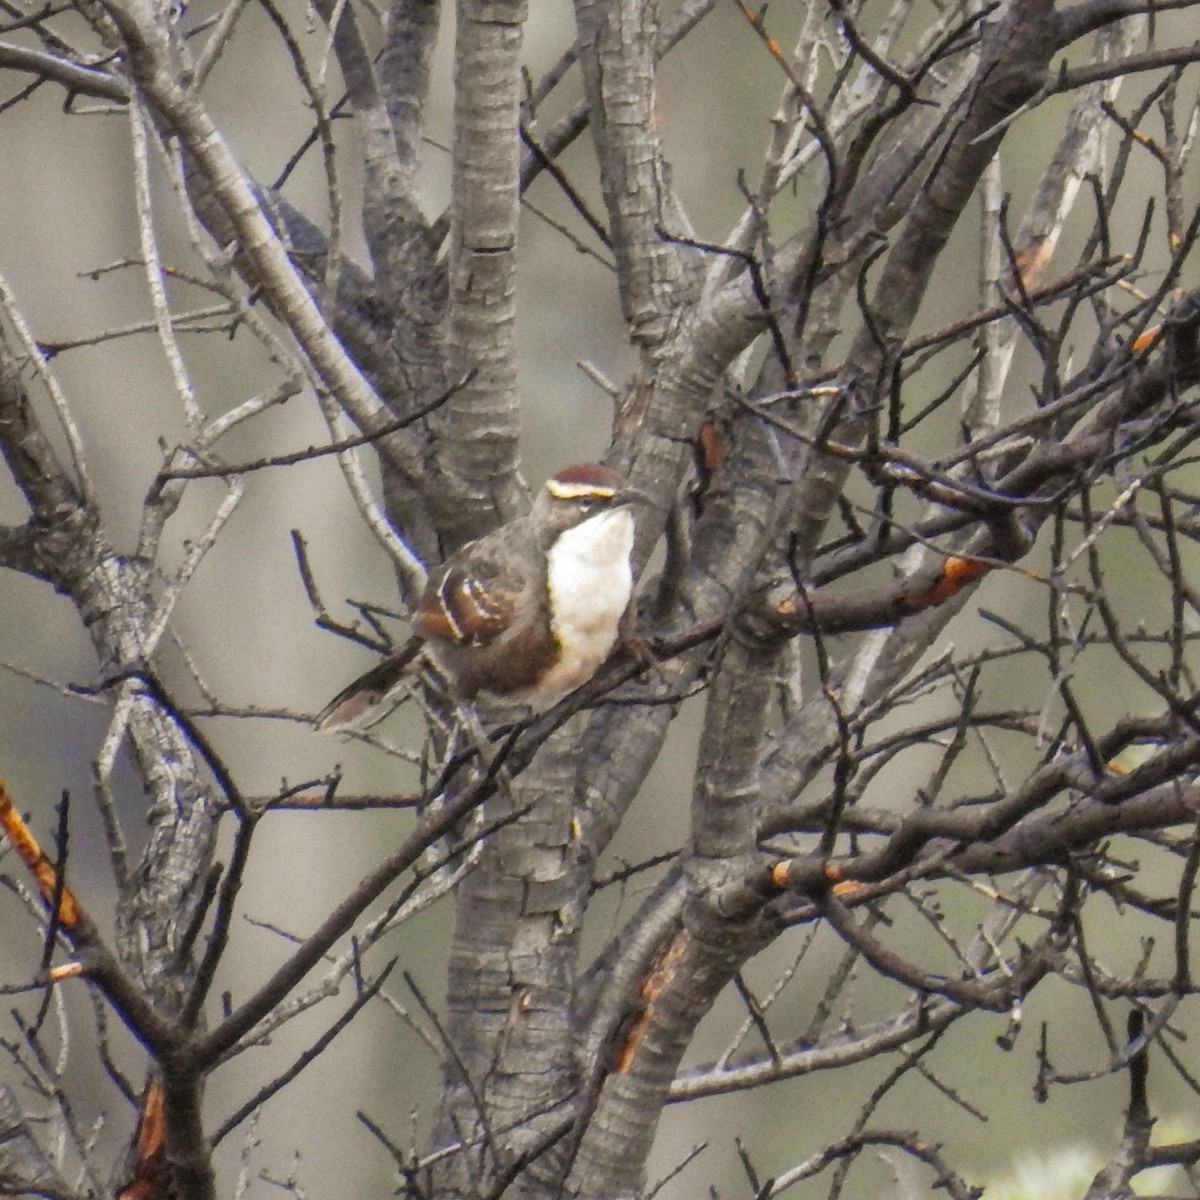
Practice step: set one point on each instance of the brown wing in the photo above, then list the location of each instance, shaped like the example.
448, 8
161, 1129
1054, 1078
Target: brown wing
471, 601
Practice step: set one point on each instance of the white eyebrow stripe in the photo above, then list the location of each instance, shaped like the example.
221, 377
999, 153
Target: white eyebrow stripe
447, 611
576, 491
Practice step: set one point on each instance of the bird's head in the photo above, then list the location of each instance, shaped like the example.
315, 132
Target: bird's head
579, 493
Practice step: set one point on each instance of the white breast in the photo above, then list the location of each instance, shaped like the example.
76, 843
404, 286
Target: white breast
590, 584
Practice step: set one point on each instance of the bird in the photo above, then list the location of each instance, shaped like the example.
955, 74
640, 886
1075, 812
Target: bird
527, 613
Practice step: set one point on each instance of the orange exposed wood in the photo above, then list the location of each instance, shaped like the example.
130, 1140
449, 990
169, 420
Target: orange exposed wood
662, 970
25, 844
1031, 261
149, 1149
956, 573
848, 889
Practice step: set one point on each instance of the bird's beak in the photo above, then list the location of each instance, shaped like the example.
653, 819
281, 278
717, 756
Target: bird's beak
632, 495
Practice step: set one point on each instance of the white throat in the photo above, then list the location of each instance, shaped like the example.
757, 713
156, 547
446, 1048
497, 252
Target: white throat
590, 582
